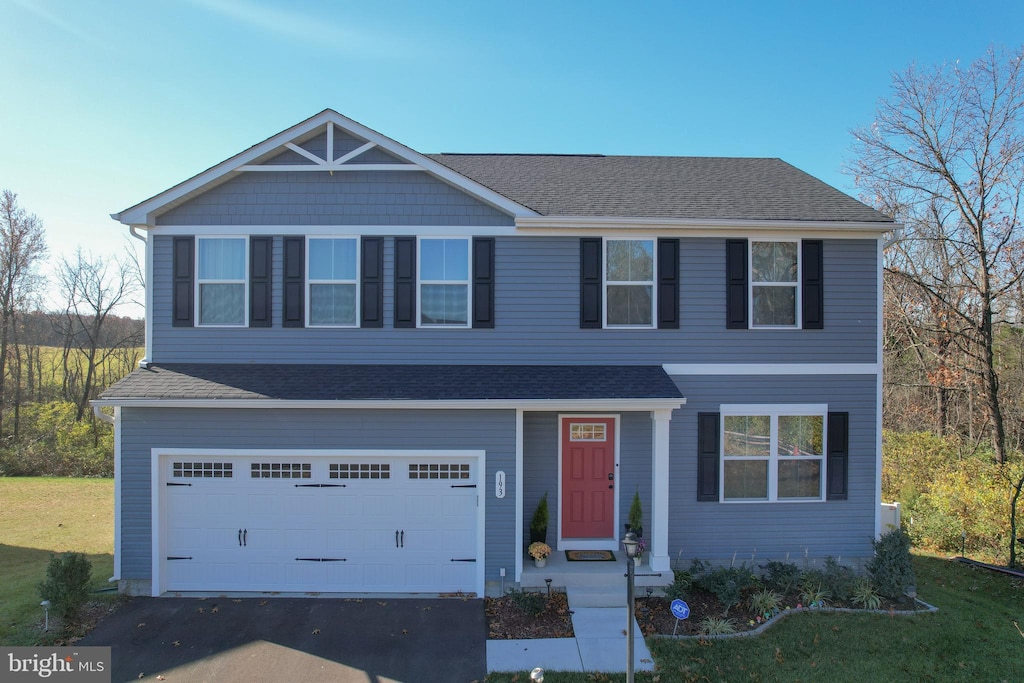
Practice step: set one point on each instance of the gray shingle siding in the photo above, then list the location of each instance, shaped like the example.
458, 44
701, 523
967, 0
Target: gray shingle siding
771, 531
144, 429
345, 198
537, 318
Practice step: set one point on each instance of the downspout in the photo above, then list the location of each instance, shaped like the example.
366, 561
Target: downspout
98, 412
897, 235
134, 232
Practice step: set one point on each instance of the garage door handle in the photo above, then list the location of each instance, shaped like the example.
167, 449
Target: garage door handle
239, 538
245, 537
396, 538
403, 538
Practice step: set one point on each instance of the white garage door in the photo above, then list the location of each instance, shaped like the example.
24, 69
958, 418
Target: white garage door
319, 524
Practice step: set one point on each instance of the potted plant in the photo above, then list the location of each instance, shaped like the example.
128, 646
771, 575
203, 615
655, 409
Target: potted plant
640, 548
539, 523
539, 551
636, 515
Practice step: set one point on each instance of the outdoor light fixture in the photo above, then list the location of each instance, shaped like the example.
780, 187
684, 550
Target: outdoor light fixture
45, 604
537, 675
631, 545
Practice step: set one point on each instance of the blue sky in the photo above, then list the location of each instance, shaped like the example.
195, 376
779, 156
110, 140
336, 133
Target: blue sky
107, 103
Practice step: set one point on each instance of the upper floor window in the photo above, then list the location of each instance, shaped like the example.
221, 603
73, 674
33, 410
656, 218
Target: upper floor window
773, 453
774, 283
629, 283
221, 280
443, 282
333, 281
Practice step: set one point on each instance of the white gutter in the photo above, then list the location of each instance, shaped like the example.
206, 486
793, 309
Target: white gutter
133, 230
592, 222
897, 235
497, 404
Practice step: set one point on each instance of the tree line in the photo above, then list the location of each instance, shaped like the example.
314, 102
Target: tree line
54, 359
945, 157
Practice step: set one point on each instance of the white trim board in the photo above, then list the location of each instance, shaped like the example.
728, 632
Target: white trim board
773, 368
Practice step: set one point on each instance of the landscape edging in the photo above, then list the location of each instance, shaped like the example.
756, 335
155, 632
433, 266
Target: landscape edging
928, 609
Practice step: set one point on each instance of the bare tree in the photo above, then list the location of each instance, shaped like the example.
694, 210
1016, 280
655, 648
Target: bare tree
22, 248
92, 287
946, 156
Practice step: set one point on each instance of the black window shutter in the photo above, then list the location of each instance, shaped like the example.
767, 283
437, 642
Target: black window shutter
838, 450
812, 285
183, 296
707, 457
483, 282
260, 254
736, 284
371, 284
668, 284
405, 282
294, 314
590, 283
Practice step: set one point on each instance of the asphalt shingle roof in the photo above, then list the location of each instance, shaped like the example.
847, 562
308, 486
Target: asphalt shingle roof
660, 187
394, 382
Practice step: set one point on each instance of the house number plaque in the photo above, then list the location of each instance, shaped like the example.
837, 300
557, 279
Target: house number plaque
499, 484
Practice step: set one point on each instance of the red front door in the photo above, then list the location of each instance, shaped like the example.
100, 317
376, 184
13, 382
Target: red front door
588, 477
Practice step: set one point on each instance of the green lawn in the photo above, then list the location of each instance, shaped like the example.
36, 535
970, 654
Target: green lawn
40, 516
971, 638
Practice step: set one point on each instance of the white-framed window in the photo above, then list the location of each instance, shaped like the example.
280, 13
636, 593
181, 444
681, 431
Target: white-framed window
775, 283
443, 282
629, 283
332, 281
587, 431
773, 452
222, 270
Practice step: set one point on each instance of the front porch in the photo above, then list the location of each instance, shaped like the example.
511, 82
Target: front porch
600, 577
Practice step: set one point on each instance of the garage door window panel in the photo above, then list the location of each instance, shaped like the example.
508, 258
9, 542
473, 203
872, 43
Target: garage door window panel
281, 470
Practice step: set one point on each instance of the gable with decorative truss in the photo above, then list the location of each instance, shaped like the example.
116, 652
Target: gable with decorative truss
327, 170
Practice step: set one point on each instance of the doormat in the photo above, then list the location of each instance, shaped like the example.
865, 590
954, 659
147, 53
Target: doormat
590, 555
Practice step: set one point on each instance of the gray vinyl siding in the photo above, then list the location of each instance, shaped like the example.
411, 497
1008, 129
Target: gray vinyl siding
772, 531
344, 198
537, 318
144, 429
540, 466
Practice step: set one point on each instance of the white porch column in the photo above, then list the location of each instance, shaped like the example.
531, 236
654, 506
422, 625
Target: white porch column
659, 558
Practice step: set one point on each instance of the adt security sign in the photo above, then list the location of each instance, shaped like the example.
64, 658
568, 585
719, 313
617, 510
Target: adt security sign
680, 610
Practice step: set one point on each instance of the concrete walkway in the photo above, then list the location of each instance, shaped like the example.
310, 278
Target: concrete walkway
599, 645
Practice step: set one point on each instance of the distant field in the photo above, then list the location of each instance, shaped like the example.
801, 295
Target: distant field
41, 516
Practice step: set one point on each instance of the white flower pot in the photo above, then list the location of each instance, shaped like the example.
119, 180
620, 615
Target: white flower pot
637, 560
541, 562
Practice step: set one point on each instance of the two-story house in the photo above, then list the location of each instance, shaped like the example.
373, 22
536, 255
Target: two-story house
365, 365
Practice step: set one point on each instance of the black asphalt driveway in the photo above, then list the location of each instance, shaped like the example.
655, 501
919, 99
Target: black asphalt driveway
296, 639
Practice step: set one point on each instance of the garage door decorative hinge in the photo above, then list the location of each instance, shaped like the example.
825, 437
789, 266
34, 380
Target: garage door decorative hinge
463, 486
468, 559
321, 559
320, 486
179, 558
174, 483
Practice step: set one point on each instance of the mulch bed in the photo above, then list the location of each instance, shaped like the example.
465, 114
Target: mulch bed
655, 616
506, 619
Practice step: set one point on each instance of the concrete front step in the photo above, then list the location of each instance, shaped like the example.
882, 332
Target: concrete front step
580, 596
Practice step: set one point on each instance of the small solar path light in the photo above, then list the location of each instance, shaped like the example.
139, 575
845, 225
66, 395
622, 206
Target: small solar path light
537, 675
631, 545
45, 604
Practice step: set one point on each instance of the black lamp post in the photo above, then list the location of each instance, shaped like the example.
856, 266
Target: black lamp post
631, 545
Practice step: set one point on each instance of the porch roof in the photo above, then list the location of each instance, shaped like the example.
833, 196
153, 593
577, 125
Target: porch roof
307, 382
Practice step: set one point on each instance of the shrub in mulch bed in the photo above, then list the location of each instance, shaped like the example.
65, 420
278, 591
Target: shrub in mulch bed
524, 614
